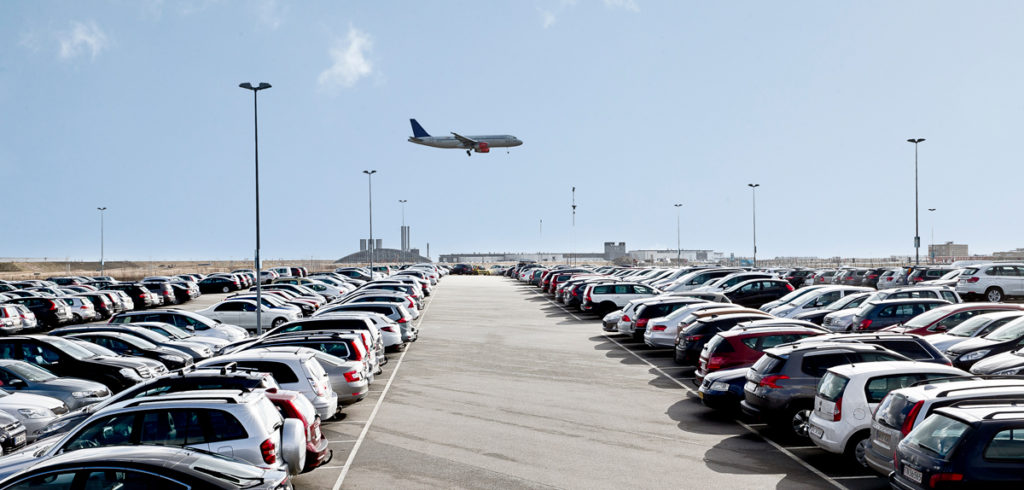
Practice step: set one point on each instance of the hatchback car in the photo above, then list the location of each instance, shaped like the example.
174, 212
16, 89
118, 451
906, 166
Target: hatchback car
692, 338
756, 292
874, 316
22, 377
741, 347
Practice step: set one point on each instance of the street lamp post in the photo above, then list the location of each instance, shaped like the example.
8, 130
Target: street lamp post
931, 249
256, 154
405, 245
102, 262
679, 247
917, 234
369, 248
573, 260
753, 195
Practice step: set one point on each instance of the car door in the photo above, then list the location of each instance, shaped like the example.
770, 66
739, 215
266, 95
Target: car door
229, 312
747, 294
247, 315
181, 427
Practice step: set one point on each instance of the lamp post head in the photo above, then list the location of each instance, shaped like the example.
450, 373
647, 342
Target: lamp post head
677, 205
369, 172
931, 209
102, 209
753, 185
248, 86
915, 140
403, 201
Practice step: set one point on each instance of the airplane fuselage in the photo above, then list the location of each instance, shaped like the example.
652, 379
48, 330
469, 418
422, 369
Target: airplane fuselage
493, 140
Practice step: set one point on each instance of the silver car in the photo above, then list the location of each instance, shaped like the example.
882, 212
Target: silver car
34, 411
22, 377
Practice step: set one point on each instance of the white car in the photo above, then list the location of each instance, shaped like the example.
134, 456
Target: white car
790, 297
976, 326
242, 312
815, 300
608, 297
656, 336
848, 395
645, 310
994, 282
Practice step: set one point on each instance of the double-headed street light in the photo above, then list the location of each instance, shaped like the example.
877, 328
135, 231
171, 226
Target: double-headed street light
753, 195
102, 269
369, 248
256, 153
679, 247
917, 234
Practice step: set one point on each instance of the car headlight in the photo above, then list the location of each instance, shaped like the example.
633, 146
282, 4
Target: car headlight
170, 358
129, 373
974, 356
56, 425
35, 413
1009, 372
83, 394
719, 386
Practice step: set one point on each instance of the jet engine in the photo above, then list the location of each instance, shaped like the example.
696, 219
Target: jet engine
482, 147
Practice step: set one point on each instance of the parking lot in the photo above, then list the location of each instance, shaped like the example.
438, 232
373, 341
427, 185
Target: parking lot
507, 389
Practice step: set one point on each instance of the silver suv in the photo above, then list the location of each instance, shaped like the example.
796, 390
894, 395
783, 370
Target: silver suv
239, 423
994, 282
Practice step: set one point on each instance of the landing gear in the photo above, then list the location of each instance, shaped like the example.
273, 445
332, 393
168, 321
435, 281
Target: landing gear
469, 153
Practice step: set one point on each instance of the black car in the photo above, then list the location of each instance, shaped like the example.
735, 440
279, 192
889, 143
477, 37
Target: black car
132, 346
63, 357
226, 378
915, 347
49, 312
878, 315
461, 269
723, 390
138, 293
163, 290
870, 278
797, 277
964, 446
1003, 339
104, 306
693, 338
1008, 363
218, 284
756, 292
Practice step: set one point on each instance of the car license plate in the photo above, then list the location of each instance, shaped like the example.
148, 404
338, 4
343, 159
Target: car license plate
19, 439
815, 431
750, 386
912, 474
700, 394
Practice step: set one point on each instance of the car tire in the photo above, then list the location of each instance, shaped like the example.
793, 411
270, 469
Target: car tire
277, 322
994, 295
75, 318
799, 418
677, 358
857, 448
225, 289
606, 308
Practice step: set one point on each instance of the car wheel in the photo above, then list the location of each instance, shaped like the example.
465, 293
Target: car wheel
277, 322
225, 289
677, 357
798, 420
994, 295
75, 318
857, 449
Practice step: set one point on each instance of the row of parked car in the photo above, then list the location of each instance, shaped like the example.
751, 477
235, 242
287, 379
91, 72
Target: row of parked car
910, 382
200, 400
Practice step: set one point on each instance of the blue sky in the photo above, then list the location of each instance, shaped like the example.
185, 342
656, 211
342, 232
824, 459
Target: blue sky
135, 105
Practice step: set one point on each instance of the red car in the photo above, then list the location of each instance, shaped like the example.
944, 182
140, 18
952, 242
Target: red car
294, 405
943, 318
743, 346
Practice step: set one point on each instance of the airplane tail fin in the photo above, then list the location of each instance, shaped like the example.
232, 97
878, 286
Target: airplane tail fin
417, 130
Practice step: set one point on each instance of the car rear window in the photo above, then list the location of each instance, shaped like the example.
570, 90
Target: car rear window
769, 364
831, 386
281, 372
718, 345
970, 271
908, 348
817, 365
894, 409
938, 434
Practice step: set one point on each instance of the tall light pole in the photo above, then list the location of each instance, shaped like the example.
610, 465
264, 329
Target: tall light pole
573, 259
369, 248
256, 154
679, 247
102, 268
917, 234
403, 201
753, 195
931, 249
405, 237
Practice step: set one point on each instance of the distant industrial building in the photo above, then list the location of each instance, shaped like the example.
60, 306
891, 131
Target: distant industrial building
670, 255
1015, 254
612, 251
949, 250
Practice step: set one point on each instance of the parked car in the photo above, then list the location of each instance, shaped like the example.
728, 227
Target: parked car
815, 300
22, 377
756, 292
1003, 339
742, 346
977, 326
603, 298
874, 316
292, 405
141, 297
848, 394
242, 312
49, 312
943, 318
10, 319
692, 338
970, 447
13, 436
723, 389
186, 320
63, 357
848, 302
219, 284
993, 282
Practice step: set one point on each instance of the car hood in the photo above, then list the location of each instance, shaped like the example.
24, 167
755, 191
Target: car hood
998, 362
972, 344
847, 313
944, 341
15, 401
120, 362
728, 375
72, 384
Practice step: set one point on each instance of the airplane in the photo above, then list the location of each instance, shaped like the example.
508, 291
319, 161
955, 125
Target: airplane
479, 144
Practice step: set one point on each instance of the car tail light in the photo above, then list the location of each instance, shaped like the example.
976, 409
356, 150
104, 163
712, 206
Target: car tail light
589, 299
317, 387
888, 278
771, 381
388, 329
789, 286
693, 338
715, 362
269, 451
908, 422
53, 305
941, 477
359, 355
411, 304
403, 320
352, 376
864, 324
837, 412
973, 280
918, 279
143, 296
642, 322
659, 328
83, 307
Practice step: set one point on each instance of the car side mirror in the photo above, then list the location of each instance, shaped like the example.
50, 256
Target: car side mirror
16, 383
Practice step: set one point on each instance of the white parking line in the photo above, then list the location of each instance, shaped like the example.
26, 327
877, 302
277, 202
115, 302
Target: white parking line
855, 477
745, 426
373, 414
562, 307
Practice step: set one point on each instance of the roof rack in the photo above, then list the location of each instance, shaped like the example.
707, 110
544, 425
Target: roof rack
968, 377
170, 397
954, 390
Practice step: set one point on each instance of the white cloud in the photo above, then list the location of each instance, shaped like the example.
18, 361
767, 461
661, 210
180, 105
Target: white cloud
626, 4
548, 17
350, 62
83, 38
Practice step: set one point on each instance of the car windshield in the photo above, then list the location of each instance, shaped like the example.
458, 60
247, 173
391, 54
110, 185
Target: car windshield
970, 326
70, 348
951, 274
174, 331
29, 372
938, 434
926, 318
1010, 331
793, 295
850, 301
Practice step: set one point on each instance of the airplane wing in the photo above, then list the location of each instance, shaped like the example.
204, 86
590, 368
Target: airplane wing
468, 142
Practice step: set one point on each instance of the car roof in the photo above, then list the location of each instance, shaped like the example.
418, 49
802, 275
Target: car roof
800, 347
892, 367
903, 301
753, 330
984, 410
